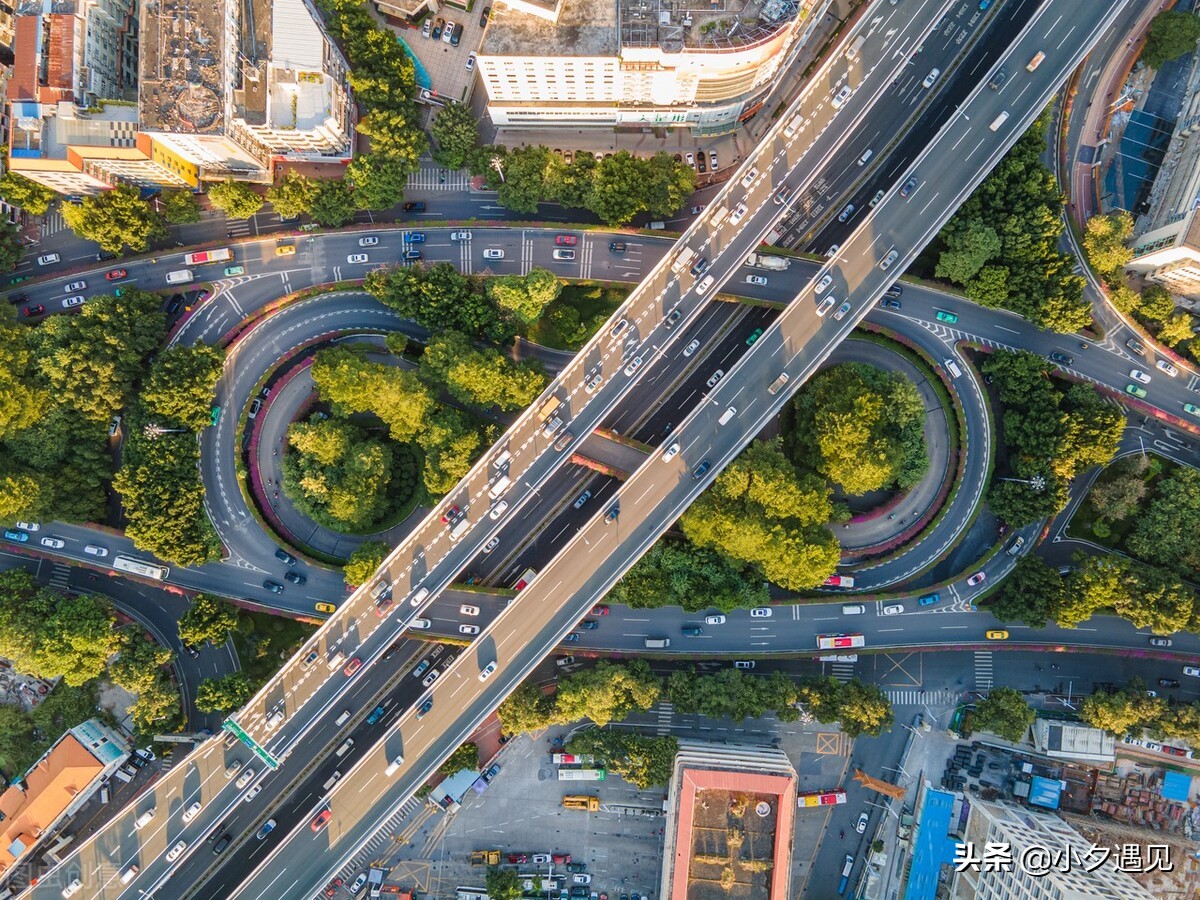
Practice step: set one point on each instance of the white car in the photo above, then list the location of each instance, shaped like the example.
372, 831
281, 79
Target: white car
498, 510
77, 300
368, 241
823, 283
715, 377
48, 259
690, 157
714, 620
931, 78
431, 677
191, 812
460, 235
581, 878
671, 451
825, 306
1165, 367
487, 671
358, 883
447, 32
493, 253
244, 778
420, 623
540, 859
1139, 376
74, 286
977, 578
749, 177
755, 279
739, 211
174, 852
893, 609
842, 310
53, 543
492, 544
861, 825
468, 629
886, 262
634, 365
760, 612
1191, 670
467, 610
691, 348
470, 60
29, 526
253, 792
357, 258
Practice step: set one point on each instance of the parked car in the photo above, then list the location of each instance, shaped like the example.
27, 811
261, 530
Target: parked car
861, 825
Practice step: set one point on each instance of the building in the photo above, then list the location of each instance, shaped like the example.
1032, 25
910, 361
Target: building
228, 89
56, 786
730, 811
1019, 828
641, 63
1071, 740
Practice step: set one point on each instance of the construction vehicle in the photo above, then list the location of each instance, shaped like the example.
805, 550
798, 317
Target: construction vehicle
485, 857
581, 801
762, 261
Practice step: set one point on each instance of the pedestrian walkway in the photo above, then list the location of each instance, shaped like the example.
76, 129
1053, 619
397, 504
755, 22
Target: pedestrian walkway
52, 223
983, 670
922, 698
60, 578
381, 841
238, 227
665, 713
428, 178
842, 671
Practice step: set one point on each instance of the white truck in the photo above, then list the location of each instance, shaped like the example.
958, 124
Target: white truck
179, 276
763, 261
683, 260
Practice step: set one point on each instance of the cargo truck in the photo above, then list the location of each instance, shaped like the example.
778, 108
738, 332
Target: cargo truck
683, 260
548, 408
581, 801
485, 857
762, 261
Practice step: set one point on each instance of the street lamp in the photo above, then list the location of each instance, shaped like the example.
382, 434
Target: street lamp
498, 165
153, 431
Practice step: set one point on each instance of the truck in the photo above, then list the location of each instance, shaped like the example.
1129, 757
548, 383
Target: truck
523, 581
548, 409
179, 276
200, 257
581, 774
460, 528
683, 260
763, 261
375, 880
485, 857
581, 801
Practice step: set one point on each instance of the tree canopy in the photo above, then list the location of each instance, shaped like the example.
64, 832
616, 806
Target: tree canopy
180, 386
1172, 33
29, 195
438, 297
642, 761
455, 134
676, 573
1104, 242
525, 297
1167, 530
47, 634
364, 562
179, 207
480, 377
1004, 713
236, 199
209, 619
115, 219
224, 693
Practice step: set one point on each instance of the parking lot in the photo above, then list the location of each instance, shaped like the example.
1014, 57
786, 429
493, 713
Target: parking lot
444, 64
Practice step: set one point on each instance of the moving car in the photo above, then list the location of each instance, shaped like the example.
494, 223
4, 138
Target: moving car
69, 302
326, 607
842, 310
357, 258
600, 610
700, 471
267, 827
493, 253
717, 619
284, 557
889, 303
1160, 642
846, 213
1134, 391
861, 825
931, 78
468, 629
35, 310
115, 274
977, 578
947, 317
231, 271
417, 206
1162, 365
372, 240
671, 451
48, 259
487, 671
467, 610
1139, 376
321, 820
286, 250
180, 846
566, 240
295, 577
893, 609
825, 306
1061, 358
53, 543
1191, 409
739, 211
754, 335
747, 179
353, 666
760, 612
997, 635
886, 262
908, 187
74, 286
1168, 683
928, 599
563, 255
273, 586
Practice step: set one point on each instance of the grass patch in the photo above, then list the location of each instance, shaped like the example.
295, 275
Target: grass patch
579, 311
265, 641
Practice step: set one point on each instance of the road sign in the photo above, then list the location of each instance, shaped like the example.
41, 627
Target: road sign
235, 729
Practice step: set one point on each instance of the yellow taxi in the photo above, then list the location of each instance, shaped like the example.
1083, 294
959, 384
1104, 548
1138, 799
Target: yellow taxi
326, 607
286, 250
997, 635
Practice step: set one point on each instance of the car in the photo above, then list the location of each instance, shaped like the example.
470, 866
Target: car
613, 513
437, 29
931, 78
712, 159
285, 250
908, 187
244, 779
69, 302
331, 889
1015, 547
748, 178
889, 303
48, 259
470, 60
487, 671
823, 283
563, 255
353, 666
35, 310
321, 819
565, 661
1161, 364
861, 825
634, 364
825, 306
760, 612
498, 510
451, 514
754, 336
671, 320
893, 609
1160, 642
1191, 670
1168, 683
417, 206
928, 599
572, 638
295, 577
717, 619
253, 792
175, 852
566, 240
997, 635
701, 470
977, 578
325, 608
690, 158
375, 715
582, 499
1134, 391
671, 452
540, 859
581, 878
74, 286
468, 610
1139, 376
875, 200
115, 274
1061, 358
619, 329
267, 827
692, 347
357, 258
842, 310
447, 32
738, 213
998, 79
589, 624
53, 543
744, 664
492, 544
493, 253
284, 557
846, 213
191, 812
411, 255
518, 858
617, 247
886, 262
483, 17
420, 668
273, 586
563, 439
1191, 409
948, 317
468, 629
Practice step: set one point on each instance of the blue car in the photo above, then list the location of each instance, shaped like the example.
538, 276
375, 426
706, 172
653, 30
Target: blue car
572, 638
19, 536
375, 716
414, 237
928, 599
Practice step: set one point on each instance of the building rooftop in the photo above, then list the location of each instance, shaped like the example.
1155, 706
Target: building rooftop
182, 83
716, 25
44, 131
1072, 740
583, 28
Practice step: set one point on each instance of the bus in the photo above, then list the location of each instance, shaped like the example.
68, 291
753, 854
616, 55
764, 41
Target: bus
572, 759
820, 798
523, 581
201, 257
839, 641
581, 774
470, 893
137, 567
847, 868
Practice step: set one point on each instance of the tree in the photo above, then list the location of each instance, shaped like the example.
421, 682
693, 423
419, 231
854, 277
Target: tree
481, 378
17, 740
393, 135
455, 134
1123, 711
364, 562
47, 634
378, 181
139, 661
619, 188
608, 692
1004, 713
524, 178
209, 618
179, 207
1177, 329
1167, 532
525, 296
223, 694
438, 297
864, 709
465, 757
526, 709
642, 761
354, 384
969, 246
22, 494
676, 573
669, 184
157, 710
451, 444
181, 384
503, 884
1032, 593
293, 196
1157, 601
1119, 491
236, 199
1171, 35
1104, 242
22, 400
29, 195
116, 219
760, 511
10, 247
333, 204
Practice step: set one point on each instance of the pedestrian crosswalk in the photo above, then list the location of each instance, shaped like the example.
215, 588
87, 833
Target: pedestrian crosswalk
435, 178
665, 713
842, 671
983, 670
60, 577
921, 698
52, 223
238, 227
383, 837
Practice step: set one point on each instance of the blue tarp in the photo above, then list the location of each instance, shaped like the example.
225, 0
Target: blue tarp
1045, 792
1176, 786
420, 73
934, 847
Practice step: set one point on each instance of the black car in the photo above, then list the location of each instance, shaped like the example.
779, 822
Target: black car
487, 11
894, 291
414, 206
18, 298
273, 586
191, 651
223, 843
1061, 358
589, 624
391, 651
285, 557
616, 247
889, 303
1168, 683
294, 577
173, 304
701, 165
699, 471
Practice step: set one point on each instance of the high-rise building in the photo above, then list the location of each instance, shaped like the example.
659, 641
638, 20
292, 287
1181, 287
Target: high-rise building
646, 62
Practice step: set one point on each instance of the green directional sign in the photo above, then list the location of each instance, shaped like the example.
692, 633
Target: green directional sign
234, 728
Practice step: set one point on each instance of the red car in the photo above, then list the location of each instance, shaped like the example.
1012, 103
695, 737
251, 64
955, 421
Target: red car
450, 514
518, 858
600, 610
321, 820
353, 666
383, 606
331, 889
35, 310
115, 274
562, 858
566, 240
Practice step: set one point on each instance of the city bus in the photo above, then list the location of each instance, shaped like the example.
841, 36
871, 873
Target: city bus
820, 798
572, 759
839, 641
200, 257
581, 774
137, 567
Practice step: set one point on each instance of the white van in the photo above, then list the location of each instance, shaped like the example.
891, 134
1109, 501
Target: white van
853, 609
179, 276
129, 874
862, 160
999, 120
394, 765
657, 643
952, 368
499, 487
336, 658
143, 820
419, 596
719, 215
777, 384
342, 719
852, 50
122, 775
345, 747
501, 458
728, 414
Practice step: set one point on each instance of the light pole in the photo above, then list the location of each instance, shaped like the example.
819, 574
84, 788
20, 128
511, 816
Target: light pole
153, 431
